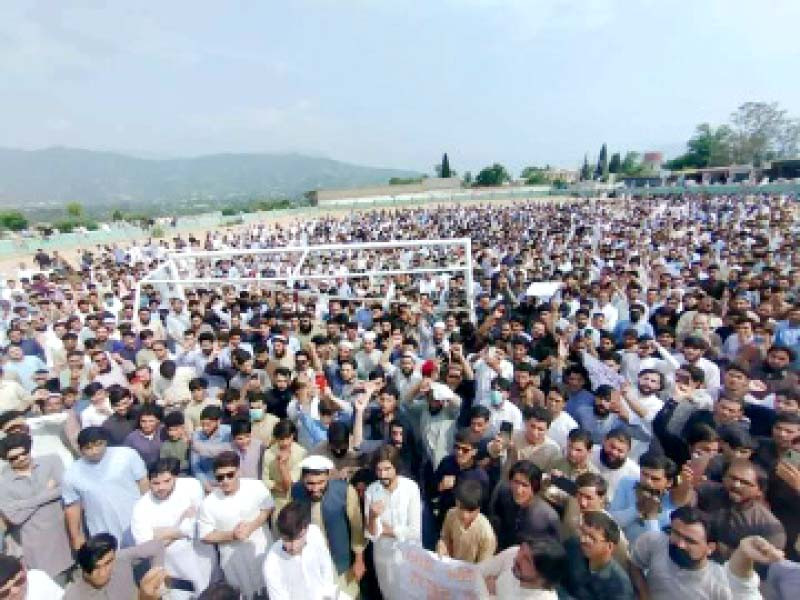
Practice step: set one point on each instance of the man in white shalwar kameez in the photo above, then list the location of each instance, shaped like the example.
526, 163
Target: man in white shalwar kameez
393, 510
530, 571
299, 565
233, 517
168, 512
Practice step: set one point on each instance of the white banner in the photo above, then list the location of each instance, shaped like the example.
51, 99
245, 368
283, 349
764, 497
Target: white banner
426, 576
543, 289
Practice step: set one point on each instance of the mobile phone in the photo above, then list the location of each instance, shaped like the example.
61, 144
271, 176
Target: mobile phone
565, 484
506, 427
176, 583
792, 456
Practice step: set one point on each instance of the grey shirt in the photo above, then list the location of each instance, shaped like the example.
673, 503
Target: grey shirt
666, 580
35, 515
121, 586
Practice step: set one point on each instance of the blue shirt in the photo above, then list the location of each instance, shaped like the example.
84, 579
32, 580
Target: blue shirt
577, 400
623, 509
788, 335
642, 328
202, 466
25, 369
107, 490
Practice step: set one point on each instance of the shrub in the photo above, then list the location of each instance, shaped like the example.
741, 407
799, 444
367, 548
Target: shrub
13, 220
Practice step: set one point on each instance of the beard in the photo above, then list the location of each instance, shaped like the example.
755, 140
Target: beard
611, 463
601, 412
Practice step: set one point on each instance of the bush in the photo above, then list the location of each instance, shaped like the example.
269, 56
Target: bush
157, 231
229, 211
13, 220
91, 225
66, 225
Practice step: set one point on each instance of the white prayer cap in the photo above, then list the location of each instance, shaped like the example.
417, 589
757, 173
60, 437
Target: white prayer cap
316, 463
345, 344
370, 336
439, 325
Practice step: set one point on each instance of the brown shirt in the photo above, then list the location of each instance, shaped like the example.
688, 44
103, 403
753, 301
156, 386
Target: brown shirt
473, 544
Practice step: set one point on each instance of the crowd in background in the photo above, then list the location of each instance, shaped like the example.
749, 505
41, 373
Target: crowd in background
619, 417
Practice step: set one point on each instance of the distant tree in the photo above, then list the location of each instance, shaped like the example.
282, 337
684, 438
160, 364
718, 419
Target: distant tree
631, 165
467, 178
586, 169
763, 131
445, 166
536, 175
758, 131
615, 163
601, 170
404, 180
708, 147
493, 176
13, 220
117, 215
74, 210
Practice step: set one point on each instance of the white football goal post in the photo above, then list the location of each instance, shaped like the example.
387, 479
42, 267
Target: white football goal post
179, 269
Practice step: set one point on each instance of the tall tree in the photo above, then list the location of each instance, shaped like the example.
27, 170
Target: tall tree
586, 169
760, 132
709, 147
615, 163
74, 209
601, 170
631, 165
445, 166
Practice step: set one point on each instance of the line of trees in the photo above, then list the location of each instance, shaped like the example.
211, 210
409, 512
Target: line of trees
756, 132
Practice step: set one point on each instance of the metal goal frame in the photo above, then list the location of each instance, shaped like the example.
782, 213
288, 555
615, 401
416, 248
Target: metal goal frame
174, 277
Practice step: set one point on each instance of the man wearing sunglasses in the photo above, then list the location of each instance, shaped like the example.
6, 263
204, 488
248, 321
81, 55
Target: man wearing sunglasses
30, 504
20, 583
233, 517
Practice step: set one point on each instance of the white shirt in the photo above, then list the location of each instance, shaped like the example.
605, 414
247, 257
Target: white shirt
485, 375
186, 558
92, 417
241, 561
47, 435
652, 404
505, 412
507, 586
712, 380
402, 512
560, 427
613, 476
41, 587
309, 575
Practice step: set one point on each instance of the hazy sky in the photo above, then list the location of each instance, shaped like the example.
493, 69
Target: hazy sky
388, 82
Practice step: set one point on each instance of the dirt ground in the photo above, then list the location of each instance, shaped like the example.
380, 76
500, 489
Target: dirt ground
10, 264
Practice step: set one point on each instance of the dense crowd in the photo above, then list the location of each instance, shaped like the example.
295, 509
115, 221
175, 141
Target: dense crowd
619, 417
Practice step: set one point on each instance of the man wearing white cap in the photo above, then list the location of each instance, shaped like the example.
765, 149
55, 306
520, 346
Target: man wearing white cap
335, 509
369, 357
434, 342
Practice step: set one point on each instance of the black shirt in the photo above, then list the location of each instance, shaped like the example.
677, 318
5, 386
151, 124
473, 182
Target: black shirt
512, 522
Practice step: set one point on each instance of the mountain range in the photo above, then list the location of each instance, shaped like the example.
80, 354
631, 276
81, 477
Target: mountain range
32, 180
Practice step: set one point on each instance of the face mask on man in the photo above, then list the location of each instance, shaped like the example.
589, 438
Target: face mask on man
256, 414
496, 398
682, 558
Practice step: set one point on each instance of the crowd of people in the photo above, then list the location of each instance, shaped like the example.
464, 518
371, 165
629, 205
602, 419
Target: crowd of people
618, 417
